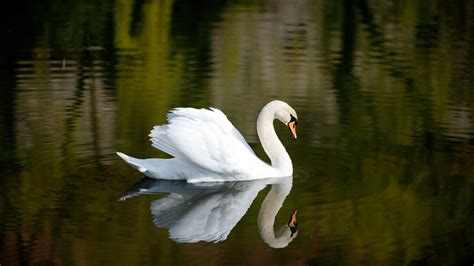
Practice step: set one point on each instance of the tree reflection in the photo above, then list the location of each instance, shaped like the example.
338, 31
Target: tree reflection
385, 155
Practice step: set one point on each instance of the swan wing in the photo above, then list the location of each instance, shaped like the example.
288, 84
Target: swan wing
206, 138
206, 214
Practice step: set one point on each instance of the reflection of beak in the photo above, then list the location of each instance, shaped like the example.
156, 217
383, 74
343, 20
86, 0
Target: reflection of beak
292, 224
292, 127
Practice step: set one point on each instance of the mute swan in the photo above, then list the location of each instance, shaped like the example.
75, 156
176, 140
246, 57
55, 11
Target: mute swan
209, 211
207, 148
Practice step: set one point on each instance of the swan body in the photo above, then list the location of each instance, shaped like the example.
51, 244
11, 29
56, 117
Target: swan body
198, 212
209, 211
207, 148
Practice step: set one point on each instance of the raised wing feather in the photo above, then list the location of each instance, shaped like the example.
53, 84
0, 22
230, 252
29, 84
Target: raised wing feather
205, 138
206, 214
214, 116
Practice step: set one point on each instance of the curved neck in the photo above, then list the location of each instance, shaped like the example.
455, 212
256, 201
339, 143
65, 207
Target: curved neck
270, 142
268, 211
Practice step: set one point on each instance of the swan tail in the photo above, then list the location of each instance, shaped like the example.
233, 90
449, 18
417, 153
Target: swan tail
133, 162
170, 169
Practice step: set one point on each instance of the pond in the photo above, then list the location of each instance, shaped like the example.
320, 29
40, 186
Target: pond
383, 163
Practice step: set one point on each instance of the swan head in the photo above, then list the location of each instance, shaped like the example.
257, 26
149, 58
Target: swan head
293, 224
287, 115
285, 234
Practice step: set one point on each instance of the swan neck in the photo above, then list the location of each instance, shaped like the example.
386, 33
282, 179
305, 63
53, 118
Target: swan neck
268, 211
271, 143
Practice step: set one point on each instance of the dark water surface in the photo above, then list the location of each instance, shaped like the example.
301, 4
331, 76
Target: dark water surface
383, 164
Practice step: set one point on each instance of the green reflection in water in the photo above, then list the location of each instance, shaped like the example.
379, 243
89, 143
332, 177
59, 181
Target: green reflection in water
383, 164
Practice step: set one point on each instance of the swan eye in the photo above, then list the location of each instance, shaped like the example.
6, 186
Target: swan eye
293, 230
293, 119
293, 224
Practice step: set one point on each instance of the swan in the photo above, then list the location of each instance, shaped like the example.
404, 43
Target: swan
266, 217
206, 147
209, 211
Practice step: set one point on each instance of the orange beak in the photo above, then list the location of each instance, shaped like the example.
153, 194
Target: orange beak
292, 224
292, 127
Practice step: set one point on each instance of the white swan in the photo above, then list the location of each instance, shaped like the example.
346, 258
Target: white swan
209, 211
207, 148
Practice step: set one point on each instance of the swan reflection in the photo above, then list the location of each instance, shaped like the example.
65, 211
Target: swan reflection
209, 211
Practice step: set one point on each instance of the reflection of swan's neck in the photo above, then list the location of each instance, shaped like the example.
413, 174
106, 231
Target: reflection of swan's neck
266, 216
270, 142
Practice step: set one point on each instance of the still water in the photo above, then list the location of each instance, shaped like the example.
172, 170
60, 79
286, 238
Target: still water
383, 164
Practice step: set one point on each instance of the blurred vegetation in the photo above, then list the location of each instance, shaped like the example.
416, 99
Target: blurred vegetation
384, 91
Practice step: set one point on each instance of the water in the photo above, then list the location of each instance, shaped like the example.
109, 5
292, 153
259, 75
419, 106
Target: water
383, 162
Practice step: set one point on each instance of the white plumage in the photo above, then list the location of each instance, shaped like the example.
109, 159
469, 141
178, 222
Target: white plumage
207, 148
209, 211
